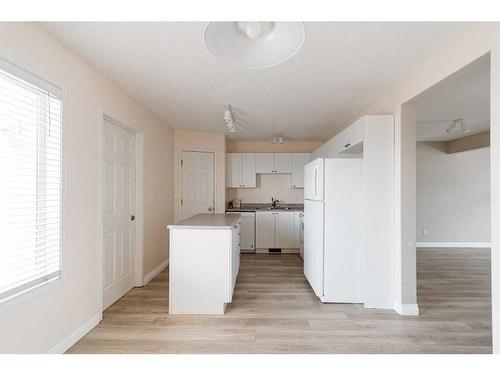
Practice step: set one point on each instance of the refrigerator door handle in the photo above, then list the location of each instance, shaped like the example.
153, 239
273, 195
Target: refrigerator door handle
315, 182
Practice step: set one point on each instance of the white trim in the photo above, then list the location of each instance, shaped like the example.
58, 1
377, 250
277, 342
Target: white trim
406, 308
454, 244
155, 271
80, 331
31, 78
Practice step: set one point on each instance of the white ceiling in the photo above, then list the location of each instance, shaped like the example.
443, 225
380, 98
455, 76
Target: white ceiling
340, 69
464, 95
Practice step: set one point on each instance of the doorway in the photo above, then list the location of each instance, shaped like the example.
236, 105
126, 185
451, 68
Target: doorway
119, 210
197, 183
453, 199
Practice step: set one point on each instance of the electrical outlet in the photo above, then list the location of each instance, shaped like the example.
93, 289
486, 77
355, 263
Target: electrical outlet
425, 231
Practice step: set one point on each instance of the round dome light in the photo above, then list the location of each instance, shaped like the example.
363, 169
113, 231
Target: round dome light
254, 44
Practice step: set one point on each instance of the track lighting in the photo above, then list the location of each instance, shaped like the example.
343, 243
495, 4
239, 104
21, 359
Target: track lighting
278, 138
228, 119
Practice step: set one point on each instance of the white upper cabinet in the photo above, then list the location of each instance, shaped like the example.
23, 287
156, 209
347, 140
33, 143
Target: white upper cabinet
283, 163
264, 163
233, 170
299, 161
240, 170
274, 163
248, 174
350, 141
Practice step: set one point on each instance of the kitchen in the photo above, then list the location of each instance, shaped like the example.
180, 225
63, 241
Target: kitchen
346, 185
187, 193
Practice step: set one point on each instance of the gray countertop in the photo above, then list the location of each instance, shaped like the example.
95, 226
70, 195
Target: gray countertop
253, 207
207, 221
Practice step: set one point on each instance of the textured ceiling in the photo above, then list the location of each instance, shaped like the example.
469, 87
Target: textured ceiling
464, 95
340, 69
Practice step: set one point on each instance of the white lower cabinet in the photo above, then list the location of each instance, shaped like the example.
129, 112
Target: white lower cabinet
264, 230
284, 229
275, 230
247, 230
297, 228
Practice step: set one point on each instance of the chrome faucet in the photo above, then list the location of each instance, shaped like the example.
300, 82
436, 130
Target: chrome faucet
274, 202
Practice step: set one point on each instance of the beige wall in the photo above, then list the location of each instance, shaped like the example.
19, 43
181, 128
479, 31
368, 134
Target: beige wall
202, 141
268, 185
466, 48
267, 146
35, 323
277, 186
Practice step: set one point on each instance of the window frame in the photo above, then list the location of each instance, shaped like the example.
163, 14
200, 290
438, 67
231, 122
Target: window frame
28, 291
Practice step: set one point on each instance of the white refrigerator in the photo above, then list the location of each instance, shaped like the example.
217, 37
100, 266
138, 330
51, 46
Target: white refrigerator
333, 229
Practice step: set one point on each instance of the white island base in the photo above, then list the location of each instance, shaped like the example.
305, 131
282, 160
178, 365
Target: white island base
204, 263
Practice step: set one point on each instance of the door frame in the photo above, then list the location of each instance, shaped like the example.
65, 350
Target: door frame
139, 203
179, 184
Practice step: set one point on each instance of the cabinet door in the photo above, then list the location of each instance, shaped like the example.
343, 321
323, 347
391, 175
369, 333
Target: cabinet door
264, 229
235, 254
233, 170
248, 177
247, 230
284, 229
283, 163
353, 137
296, 232
264, 163
299, 161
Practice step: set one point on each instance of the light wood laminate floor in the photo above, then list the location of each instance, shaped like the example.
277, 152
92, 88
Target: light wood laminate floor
275, 311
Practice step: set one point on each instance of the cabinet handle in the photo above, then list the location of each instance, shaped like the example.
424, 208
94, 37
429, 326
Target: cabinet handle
347, 145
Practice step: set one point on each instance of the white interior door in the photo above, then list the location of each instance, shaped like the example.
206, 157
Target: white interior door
119, 207
197, 185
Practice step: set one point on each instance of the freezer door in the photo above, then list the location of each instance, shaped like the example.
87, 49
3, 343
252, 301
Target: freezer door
313, 244
314, 180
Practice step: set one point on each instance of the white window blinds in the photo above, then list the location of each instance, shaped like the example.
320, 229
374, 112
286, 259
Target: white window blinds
30, 181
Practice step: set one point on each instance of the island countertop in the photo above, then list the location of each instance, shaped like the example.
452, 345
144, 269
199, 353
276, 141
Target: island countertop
208, 221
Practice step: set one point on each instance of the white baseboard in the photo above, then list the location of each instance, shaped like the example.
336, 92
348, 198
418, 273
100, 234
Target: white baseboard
454, 244
80, 331
155, 271
406, 308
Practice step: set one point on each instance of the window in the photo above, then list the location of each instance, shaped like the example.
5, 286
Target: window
30, 181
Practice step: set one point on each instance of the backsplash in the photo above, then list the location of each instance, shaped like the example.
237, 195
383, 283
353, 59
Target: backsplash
268, 185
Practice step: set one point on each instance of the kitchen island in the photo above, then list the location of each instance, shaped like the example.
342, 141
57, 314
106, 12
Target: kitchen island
204, 263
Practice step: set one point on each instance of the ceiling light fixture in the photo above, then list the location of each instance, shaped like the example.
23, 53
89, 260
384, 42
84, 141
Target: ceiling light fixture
278, 138
458, 124
229, 119
254, 44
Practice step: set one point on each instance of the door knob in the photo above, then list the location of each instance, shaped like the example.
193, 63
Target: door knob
132, 218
